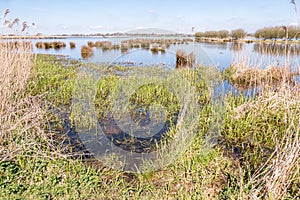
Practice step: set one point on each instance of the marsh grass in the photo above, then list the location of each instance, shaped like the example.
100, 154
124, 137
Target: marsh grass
184, 60
249, 77
192, 175
72, 45
86, 51
249, 71
255, 155
48, 45
253, 129
262, 130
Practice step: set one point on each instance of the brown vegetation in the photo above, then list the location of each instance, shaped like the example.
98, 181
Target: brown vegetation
86, 52
49, 45
184, 60
249, 77
72, 45
20, 114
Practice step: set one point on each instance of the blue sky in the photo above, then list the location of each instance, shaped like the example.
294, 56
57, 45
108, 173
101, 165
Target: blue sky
102, 16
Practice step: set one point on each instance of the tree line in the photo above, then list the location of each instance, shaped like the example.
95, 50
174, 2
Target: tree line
278, 32
275, 32
222, 34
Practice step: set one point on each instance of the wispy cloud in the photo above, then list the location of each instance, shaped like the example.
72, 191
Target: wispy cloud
62, 26
294, 24
151, 11
144, 27
96, 27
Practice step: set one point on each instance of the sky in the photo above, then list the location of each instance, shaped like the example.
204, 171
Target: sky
109, 16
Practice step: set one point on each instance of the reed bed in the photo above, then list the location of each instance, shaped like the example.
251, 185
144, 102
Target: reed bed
86, 52
49, 45
265, 138
21, 117
184, 60
72, 45
262, 129
249, 77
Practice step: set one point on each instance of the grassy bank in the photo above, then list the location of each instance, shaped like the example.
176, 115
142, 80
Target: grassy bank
255, 153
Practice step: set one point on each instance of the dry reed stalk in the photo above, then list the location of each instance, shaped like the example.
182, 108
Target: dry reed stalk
273, 180
21, 117
248, 77
86, 52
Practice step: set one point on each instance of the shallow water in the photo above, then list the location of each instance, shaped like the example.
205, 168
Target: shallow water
220, 55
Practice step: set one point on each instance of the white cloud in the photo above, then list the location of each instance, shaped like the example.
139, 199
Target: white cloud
294, 24
143, 27
179, 16
62, 26
96, 27
151, 11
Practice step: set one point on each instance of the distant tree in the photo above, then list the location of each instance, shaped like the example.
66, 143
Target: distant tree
223, 34
277, 32
238, 33
199, 34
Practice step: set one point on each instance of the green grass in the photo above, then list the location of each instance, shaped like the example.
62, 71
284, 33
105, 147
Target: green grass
251, 130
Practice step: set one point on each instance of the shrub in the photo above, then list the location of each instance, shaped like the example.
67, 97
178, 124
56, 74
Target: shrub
238, 34
86, 52
72, 45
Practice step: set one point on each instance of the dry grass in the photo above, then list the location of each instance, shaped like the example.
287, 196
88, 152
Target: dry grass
86, 52
72, 45
184, 60
248, 77
20, 114
49, 45
279, 176
275, 179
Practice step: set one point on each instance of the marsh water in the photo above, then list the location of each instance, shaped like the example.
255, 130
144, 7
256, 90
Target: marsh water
220, 55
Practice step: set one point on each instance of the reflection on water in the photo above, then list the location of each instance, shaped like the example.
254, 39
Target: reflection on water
221, 55
277, 48
236, 46
143, 57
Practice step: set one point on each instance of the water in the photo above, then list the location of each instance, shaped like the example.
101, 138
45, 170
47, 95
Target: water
219, 55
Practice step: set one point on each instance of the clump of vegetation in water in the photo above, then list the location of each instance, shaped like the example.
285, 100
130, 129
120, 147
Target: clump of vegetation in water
251, 77
184, 60
72, 45
49, 45
86, 52
154, 49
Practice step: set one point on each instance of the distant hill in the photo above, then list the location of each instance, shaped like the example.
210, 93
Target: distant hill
151, 31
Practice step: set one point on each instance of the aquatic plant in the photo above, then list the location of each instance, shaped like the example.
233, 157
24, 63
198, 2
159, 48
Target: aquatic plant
154, 49
86, 52
249, 77
184, 60
72, 45
48, 45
